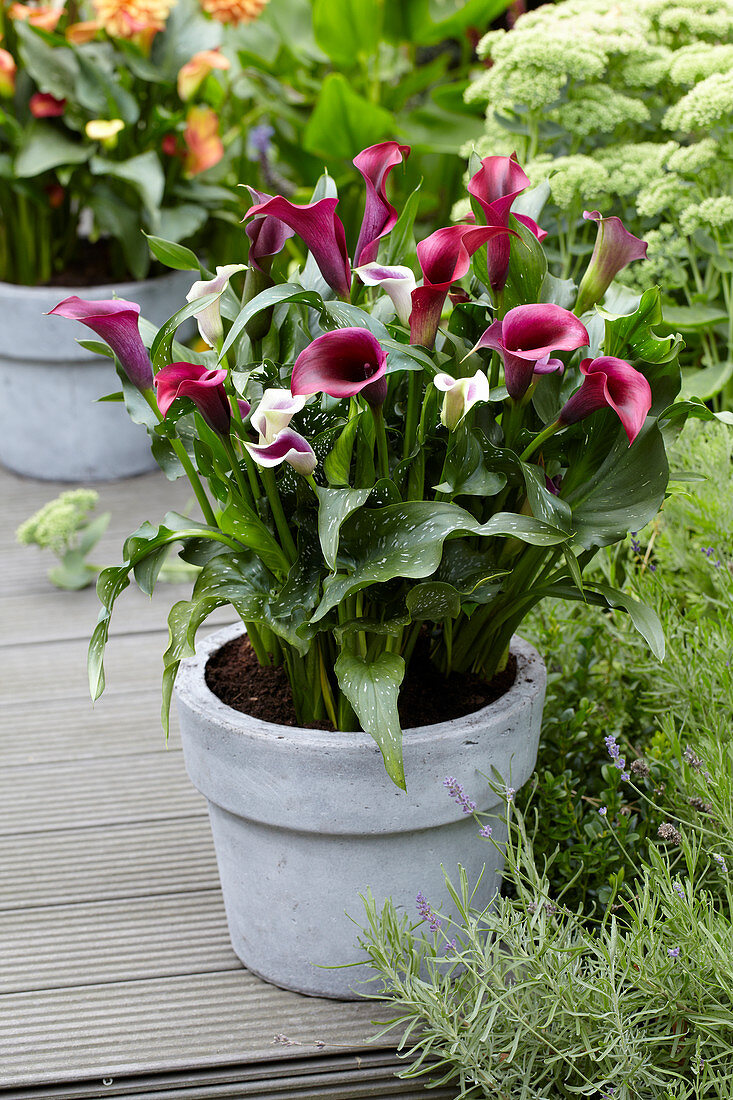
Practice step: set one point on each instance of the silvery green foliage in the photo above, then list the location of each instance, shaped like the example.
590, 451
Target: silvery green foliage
627, 107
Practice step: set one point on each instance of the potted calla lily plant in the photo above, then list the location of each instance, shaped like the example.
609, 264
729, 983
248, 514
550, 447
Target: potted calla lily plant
395, 463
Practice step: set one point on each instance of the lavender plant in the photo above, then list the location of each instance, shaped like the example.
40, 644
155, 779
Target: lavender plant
376, 457
628, 106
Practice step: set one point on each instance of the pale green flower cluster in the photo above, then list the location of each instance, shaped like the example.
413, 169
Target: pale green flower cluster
691, 64
709, 103
712, 213
664, 263
663, 193
691, 159
54, 526
633, 164
598, 110
571, 178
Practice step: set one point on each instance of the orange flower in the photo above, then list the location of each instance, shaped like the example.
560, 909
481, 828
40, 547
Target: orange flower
192, 75
203, 144
128, 18
234, 11
79, 33
8, 69
45, 18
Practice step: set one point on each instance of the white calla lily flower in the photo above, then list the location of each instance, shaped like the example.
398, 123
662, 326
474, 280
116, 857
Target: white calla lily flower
397, 282
461, 394
209, 319
274, 412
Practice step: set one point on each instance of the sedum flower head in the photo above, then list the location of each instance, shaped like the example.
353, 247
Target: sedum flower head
630, 166
690, 159
54, 526
128, 18
666, 192
712, 213
598, 109
711, 19
575, 179
646, 66
708, 103
664, 261
695, 62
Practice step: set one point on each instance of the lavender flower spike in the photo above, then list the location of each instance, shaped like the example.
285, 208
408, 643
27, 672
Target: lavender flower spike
615, 248
116, 321
457, 793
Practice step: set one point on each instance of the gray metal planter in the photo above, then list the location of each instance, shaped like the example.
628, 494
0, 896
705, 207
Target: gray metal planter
305, 821
51, 425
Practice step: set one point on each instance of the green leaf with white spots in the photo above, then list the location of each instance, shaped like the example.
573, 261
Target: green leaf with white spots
372, 688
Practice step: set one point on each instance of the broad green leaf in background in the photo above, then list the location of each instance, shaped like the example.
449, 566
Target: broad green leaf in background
144, 173
372, 688
344, 122
707, 382
47, 148
348, 29
334, 508
689, 318
176, 223
430, 21
52, 65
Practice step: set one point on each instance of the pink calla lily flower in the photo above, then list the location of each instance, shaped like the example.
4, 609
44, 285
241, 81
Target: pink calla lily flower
461, 394
274, 413
342, 363
610, 383
615, 247
286, 446
116, 321
267, 235
321, 229
525, 339
444, 257
204, 387
45, 105
375, 164
498, 182
398, 282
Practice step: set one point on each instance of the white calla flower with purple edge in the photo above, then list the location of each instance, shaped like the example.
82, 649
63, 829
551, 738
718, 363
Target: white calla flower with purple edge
274, 413
286, 446
461, 394
398, 282
209, 322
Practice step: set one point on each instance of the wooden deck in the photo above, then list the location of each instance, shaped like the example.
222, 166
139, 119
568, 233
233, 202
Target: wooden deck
116, 974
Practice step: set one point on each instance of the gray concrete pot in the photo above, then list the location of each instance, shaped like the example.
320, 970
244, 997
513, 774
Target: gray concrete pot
305, 821
51, 425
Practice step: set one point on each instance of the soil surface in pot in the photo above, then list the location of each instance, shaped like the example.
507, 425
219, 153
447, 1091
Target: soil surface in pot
235, 676
93, 265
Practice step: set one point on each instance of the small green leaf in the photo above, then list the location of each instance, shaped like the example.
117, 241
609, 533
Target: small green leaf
173, 255
433, 601
644, 618
372, 688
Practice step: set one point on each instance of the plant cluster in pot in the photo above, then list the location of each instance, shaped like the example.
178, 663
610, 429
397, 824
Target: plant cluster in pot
392, 472
107, 126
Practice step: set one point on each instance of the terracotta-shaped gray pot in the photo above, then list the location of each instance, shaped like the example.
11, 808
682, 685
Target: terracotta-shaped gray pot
306, 821
51, 424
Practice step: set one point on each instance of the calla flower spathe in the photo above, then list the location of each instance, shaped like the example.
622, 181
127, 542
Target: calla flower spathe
398, 282
498, 182
610, 383
375, 164
116, 321
203, 143
267, 234
192, 75
104, 130
322, 231
342, 363
444, 257
615, 247
204, 387
274, 413
525, 339
461, 394
209, 322
45, 105
286, 446
8, 72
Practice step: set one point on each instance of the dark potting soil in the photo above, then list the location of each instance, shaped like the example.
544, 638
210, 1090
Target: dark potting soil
235, 676
93, 265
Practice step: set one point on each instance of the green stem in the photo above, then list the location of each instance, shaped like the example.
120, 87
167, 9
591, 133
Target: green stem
381, 432
537, 442
273, 496
185, 461
414, 393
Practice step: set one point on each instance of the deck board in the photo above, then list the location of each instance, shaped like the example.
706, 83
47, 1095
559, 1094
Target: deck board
116, 973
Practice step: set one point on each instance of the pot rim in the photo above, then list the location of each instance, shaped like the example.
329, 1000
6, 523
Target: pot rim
21, 289
192, 689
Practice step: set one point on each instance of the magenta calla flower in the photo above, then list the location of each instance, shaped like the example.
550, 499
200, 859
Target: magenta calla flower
204, 387
444, 257
615, 248
525, 339
320, 227
286, 446
375, 164
267, 235
498, 182
610, 383
116, 321
342, 363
